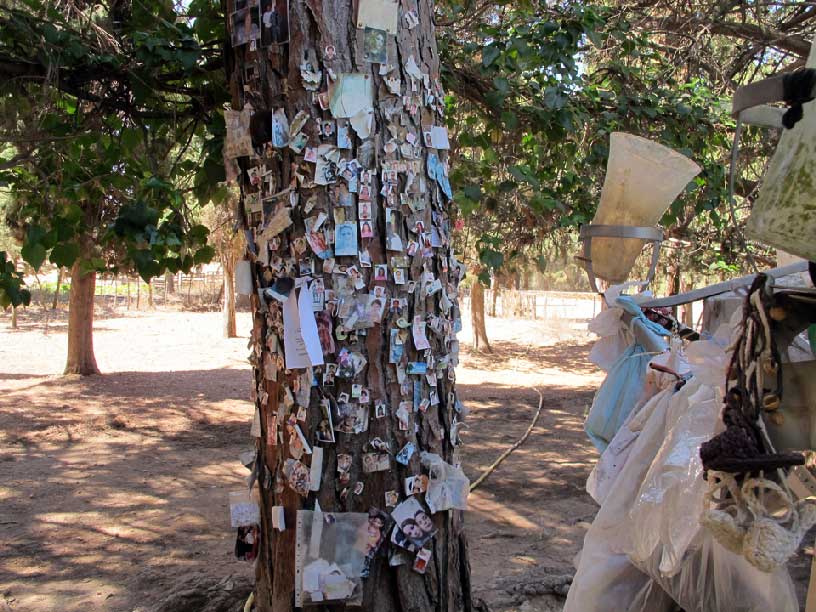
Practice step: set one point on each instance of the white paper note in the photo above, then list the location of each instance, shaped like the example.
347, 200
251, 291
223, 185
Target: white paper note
301, 342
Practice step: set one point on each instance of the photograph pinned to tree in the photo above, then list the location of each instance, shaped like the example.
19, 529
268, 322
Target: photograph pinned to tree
246, 22
274, 19
375, 48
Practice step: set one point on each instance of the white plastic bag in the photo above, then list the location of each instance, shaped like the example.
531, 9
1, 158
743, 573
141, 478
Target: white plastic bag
448, 487
614, 338
712, 579
670, 500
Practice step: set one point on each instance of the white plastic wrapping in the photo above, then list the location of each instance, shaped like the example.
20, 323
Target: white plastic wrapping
448, 487
668, 505
614, 338
646, 547
712, 579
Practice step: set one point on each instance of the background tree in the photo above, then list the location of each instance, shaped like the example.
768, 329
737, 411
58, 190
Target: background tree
537, 90
99, 106
325, 45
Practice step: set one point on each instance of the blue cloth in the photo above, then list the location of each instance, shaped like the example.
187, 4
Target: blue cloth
629, 305
617, 395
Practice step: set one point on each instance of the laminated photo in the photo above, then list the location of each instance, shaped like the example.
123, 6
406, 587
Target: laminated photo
343, 135
405, 454
274, 22
280, 129
376, 462
345, 239
238, 142
396, 349
375, 46
247, 541
421, 561
246, 25
297, 476
325, 429
414, 523
379, 524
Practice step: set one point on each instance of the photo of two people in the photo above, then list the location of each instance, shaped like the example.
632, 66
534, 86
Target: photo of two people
414, 526
264, 20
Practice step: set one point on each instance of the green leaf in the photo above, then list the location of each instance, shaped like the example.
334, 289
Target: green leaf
474, 192
204, 255
489, 55
64, 254
34, 253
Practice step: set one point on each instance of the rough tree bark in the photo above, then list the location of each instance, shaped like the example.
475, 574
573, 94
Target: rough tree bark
477, 317
323, 34
81, 359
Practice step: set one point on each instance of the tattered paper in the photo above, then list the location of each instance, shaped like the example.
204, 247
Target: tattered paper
300, 338
350, 94
379, 14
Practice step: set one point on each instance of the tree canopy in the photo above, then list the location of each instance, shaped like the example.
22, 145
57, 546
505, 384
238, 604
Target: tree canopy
111, 126
111, 130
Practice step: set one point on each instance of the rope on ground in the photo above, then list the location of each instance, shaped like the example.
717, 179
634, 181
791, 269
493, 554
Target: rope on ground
514, 446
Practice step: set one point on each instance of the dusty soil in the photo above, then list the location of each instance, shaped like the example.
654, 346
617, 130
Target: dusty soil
113, 489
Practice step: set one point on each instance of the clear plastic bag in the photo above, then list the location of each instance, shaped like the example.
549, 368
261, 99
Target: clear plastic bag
448, 487
330, 553
712, 579
670, 499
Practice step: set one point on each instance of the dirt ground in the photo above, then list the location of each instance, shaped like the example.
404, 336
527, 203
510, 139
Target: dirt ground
113, 489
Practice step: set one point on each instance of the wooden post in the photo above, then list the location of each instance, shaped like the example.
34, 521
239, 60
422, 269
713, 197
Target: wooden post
138, 293
128, 291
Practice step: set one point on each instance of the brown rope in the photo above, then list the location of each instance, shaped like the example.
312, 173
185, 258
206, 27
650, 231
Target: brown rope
514, 446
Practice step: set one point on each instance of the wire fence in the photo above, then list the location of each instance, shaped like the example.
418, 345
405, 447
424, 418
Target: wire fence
198, 290
543, 305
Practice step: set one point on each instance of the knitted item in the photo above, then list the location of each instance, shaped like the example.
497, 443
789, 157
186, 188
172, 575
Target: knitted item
740, 521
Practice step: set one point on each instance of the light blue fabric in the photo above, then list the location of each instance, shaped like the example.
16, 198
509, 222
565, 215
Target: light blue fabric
617, 396
629, 305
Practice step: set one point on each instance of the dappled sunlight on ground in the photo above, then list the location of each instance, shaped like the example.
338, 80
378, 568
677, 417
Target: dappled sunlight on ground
114, 488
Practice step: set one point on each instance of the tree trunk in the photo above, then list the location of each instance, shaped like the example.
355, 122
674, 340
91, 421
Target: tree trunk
228, 264
13, 317
477, 318
323, 34
81, 359
55, 301
169, 283
494, 297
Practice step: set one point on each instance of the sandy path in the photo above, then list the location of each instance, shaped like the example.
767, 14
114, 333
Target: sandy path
114, 488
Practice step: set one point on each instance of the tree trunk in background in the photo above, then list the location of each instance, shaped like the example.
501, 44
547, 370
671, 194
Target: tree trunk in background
228, 264
270, 79
494, 299
81, 359
57, 290
477, 317
170, 282
13, 317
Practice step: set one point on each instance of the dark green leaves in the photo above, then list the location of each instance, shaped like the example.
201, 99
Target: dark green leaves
34, 253
64, 254
12, 291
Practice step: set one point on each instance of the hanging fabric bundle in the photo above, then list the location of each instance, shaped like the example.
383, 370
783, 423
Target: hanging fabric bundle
783, 215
